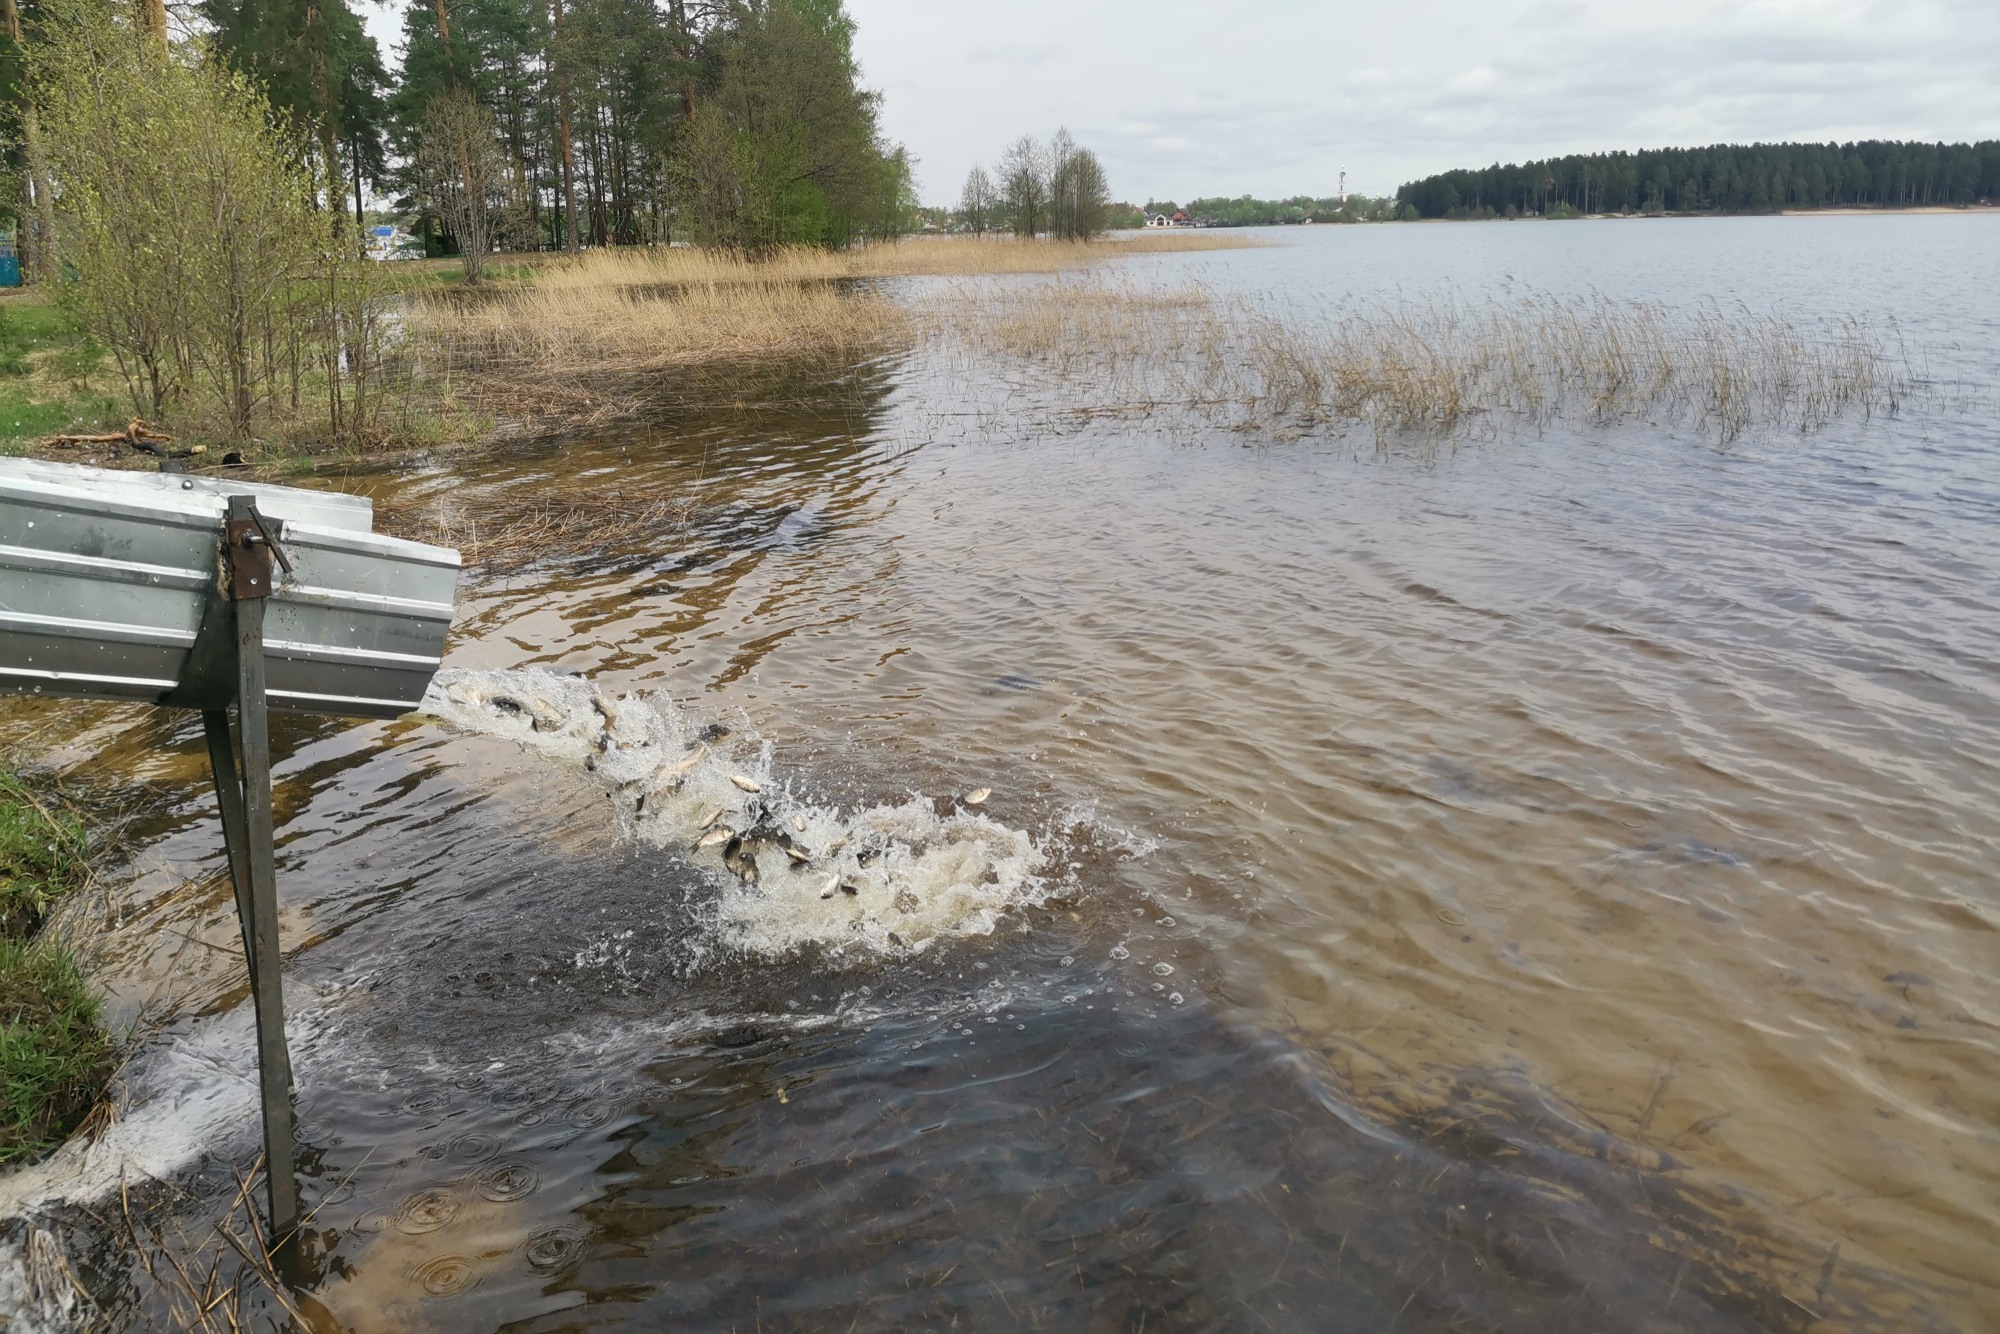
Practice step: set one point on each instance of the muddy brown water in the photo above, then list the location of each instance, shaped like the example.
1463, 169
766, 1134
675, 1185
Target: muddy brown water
1544, 882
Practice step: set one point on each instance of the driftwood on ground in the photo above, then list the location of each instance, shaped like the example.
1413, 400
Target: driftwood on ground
136, 434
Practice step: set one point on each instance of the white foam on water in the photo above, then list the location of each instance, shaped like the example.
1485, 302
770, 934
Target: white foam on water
890, 879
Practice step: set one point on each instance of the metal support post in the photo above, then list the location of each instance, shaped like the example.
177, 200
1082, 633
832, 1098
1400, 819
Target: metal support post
229, 796
250, 547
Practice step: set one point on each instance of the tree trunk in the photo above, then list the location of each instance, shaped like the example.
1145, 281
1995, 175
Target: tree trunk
562, 128
153, 16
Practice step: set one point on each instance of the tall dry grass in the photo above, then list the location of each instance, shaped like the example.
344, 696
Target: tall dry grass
1430, 366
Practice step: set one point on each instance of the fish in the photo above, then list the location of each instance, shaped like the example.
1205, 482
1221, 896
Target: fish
978, 796
799, 855
836, 845
848, 887
721, 834
747, 784
700, 754
832, 883
714, 815
799, 823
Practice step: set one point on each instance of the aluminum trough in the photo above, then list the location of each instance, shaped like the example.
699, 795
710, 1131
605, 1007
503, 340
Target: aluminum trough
108, 586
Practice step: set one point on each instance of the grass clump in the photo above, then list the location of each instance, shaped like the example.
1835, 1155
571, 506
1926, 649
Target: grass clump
54, 1053
52, 380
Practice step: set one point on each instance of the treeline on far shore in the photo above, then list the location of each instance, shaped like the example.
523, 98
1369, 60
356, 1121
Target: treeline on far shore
1722, 178
1247, 212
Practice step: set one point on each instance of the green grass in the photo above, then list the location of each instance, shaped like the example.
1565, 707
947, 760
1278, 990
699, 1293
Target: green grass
54, 1053
52, 381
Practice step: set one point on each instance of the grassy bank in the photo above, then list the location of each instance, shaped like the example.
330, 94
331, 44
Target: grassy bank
51, 381
54, 1054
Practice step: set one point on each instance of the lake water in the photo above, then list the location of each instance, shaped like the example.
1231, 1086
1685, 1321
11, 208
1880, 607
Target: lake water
1540, 882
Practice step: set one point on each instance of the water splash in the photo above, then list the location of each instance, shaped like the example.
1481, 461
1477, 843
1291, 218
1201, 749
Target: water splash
893, 879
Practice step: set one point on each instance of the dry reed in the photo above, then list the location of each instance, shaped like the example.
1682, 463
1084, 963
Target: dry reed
1430, 367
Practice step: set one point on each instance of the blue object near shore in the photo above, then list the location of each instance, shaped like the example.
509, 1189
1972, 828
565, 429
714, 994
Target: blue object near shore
10, 265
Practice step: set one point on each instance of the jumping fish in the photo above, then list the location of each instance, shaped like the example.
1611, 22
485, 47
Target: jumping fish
715, 836
799, 855
978, 796
747, 784
700, 754
832, 883
799, 823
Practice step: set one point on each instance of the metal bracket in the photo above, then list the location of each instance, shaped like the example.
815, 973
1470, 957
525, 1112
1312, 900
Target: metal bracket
251, 543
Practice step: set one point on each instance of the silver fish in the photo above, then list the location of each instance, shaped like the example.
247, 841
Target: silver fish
799, 855
747, 784
715, 836
978, 796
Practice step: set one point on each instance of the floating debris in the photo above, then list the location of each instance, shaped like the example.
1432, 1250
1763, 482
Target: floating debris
747, 784
978, 796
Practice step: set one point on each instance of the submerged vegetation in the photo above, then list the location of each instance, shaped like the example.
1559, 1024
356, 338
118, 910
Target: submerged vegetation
54, 1054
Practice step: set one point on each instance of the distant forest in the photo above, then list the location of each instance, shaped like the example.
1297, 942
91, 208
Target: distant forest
1723, 178
1249, 212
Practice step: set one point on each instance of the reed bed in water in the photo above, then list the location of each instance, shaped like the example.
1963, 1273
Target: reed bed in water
1431, 367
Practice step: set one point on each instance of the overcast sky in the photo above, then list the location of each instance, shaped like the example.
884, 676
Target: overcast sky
1188, 98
